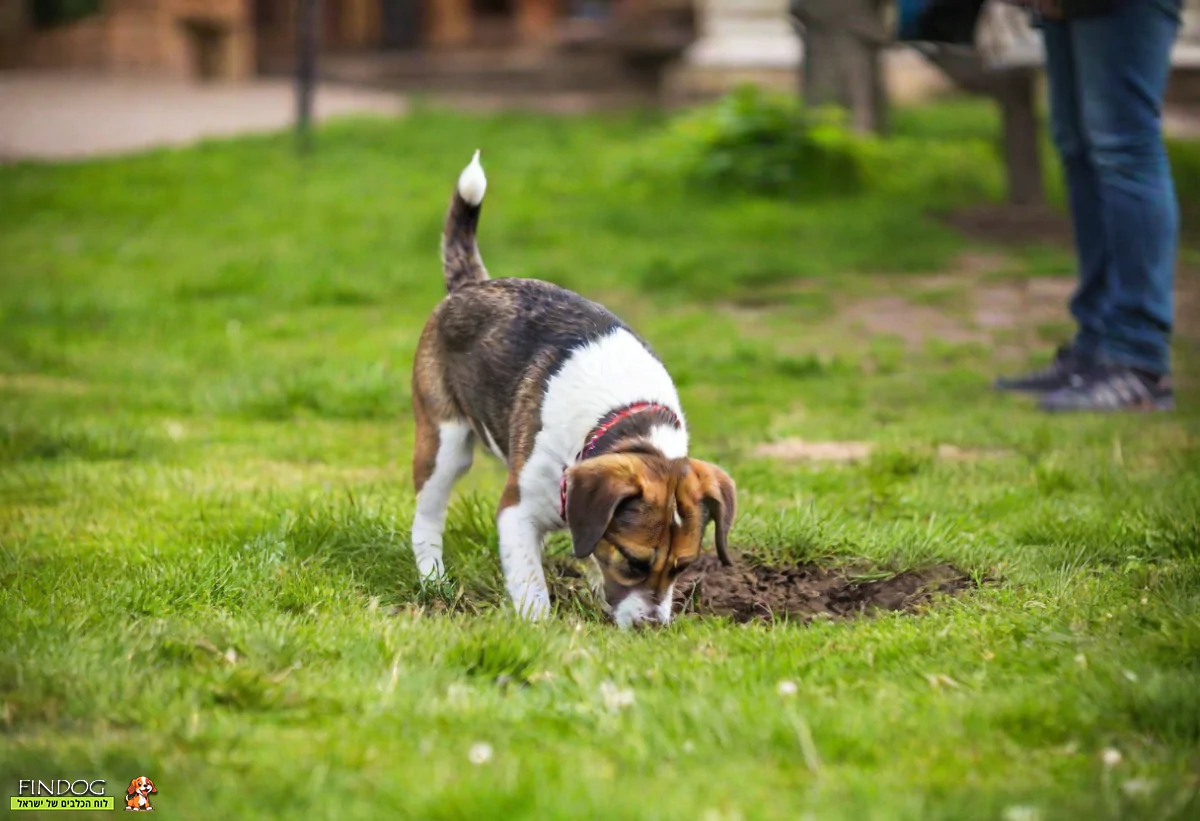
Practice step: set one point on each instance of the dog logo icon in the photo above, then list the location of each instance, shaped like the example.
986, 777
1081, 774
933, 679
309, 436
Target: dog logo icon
137, 796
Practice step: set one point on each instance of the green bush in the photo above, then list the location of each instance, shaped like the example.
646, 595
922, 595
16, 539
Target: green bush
50, 13
1185, 168
754, 142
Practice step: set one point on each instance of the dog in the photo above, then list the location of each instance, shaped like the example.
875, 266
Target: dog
584, 415
137, 795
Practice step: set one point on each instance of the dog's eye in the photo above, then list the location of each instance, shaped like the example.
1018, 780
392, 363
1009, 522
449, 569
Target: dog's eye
627, 507
640, 567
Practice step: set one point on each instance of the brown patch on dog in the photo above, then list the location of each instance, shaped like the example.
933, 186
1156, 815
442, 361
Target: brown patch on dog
432, 403
642, 518
804, 592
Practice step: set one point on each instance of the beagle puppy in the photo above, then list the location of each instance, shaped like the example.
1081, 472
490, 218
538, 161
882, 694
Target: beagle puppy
583, 414
137, 795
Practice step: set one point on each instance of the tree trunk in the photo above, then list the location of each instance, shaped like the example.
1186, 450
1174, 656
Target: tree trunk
843, 42
1014, 90
1022, 145
821, 80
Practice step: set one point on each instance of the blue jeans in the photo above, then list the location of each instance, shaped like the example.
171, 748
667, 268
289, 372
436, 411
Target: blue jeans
1107, 77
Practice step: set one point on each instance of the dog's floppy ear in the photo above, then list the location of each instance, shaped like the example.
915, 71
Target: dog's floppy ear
594, 489
132, 788
153, 789
718, 494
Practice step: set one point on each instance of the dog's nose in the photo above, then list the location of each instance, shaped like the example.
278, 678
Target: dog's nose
648, 623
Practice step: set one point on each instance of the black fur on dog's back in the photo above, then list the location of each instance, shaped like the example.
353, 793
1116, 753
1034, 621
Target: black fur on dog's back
504, 337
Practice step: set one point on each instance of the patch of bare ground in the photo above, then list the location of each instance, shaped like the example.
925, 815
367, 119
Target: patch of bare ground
748, 591
1012, 225
1025, 303
799, 450
39, 383
261, 474
912, 323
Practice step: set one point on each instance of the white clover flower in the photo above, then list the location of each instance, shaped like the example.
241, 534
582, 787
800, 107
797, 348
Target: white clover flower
616, 698
787, 688
1111, 757
1019, 812
480, 753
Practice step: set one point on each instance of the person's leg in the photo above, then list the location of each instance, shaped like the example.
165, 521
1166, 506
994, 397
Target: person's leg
1122, 61
1090, 301
1089, 304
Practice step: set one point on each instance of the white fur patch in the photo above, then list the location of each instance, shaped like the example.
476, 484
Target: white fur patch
609, 373
633, 609
521, 558
665, 606
490, 442
638, 607
453, 460
472, 182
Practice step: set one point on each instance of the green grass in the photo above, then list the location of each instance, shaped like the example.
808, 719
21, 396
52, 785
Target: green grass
205, 573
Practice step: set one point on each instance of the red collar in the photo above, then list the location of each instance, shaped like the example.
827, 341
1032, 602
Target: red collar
597, 433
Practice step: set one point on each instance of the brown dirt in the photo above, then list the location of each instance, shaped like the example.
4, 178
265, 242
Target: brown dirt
1012, 224
897, 316
749, 592
800, 450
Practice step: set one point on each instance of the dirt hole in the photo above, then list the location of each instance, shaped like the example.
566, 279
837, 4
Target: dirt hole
749, 592
1013, 224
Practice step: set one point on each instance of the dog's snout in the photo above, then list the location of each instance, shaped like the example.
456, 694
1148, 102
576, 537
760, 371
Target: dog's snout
640, 610
649, 623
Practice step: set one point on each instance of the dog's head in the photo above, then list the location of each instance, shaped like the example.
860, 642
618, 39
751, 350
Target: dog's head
642, 519
141, 786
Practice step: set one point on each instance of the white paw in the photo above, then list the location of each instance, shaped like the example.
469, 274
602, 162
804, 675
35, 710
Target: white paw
430, 569
532, 604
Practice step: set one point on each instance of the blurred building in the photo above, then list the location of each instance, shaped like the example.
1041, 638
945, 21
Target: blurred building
213, 38
496, 48
381, 42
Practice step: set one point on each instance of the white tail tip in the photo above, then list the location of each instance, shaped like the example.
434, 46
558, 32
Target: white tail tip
472, 183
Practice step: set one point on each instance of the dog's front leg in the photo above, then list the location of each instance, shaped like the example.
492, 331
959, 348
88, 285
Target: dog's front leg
521, 540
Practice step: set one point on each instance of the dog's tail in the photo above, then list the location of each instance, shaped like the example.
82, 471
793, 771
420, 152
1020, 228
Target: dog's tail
460, 252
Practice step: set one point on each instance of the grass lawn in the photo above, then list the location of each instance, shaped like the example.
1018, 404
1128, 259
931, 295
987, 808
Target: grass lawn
205, 574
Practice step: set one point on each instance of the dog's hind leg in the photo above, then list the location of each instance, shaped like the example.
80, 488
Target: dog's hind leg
441, 454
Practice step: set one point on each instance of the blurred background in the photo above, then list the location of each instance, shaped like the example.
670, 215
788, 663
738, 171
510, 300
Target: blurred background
220, 66
835, 242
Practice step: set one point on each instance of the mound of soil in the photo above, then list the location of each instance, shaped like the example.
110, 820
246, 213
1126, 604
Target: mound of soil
746, 592
803, 592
